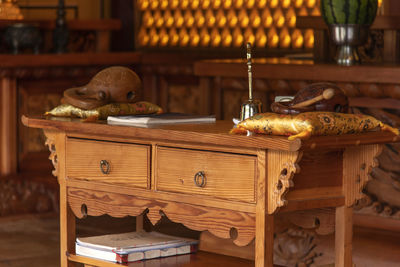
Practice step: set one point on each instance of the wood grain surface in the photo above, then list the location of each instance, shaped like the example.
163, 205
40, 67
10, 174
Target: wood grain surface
129, 164
8, 126
357, 165
322, 168
282, 68
344, 237
95, 203
264, 242
209, 134
51, 142
281, 167
263, 174
226, 175
204, 200
199, 259
56, 142
217, 221
320, 220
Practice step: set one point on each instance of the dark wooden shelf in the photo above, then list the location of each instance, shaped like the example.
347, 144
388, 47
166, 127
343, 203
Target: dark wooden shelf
68, 59
284, 68
75, 24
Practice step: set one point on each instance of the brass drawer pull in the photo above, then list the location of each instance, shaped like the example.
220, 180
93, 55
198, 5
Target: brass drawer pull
200, 179
104, 166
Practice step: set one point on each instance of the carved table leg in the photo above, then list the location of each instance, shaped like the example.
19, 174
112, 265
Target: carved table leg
56, 144
264, 255
264, 247
67, 233
344, 236
357, 164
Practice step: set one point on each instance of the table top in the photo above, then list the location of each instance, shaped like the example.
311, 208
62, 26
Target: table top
208, 134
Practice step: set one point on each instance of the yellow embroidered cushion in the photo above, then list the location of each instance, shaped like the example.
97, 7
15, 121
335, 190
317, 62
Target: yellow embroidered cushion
101, 113
305, 124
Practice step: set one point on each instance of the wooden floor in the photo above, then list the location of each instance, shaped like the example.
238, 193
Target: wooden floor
33, 241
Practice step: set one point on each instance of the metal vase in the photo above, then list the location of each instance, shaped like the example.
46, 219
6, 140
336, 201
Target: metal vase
348, 37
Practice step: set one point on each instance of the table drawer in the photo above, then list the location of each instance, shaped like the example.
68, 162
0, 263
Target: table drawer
218, 174
108, 162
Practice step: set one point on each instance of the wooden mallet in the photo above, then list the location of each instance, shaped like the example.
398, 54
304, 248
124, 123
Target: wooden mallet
326, 94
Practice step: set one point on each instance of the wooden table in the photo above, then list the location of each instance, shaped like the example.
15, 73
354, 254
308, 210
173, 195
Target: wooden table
201, 176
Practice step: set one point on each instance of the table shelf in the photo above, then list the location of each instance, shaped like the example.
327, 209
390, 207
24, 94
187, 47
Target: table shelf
199, 259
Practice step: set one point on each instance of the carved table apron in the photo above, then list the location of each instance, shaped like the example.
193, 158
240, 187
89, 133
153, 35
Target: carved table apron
206, 179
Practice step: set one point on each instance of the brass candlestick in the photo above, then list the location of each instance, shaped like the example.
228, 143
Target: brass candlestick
251, 106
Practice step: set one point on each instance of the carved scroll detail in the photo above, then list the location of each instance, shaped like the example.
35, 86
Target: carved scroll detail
100, 203
282, 165
357, 166
50, 142
322, 221
217, 221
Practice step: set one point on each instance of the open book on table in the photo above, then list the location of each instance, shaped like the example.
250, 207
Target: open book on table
133, 246
160, 119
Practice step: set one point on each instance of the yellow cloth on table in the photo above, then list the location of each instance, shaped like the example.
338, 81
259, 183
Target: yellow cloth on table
305, 124
101, 113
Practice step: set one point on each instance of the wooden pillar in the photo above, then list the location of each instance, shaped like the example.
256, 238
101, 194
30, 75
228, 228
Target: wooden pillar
8, 126
391, 7
123, 40
357, 161
67, 217
343, 237
322, 46
391, 38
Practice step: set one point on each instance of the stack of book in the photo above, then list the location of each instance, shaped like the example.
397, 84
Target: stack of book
133, 246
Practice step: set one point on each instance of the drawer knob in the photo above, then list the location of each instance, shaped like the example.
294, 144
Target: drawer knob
200, 179
104, 166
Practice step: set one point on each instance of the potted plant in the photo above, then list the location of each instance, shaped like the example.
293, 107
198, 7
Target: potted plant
348, 22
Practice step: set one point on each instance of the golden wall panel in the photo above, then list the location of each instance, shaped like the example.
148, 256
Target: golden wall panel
222, 24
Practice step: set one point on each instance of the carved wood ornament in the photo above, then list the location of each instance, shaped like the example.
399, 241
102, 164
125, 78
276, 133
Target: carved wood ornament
282, 166
219, 222
364, 158
51, 143
383, 190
